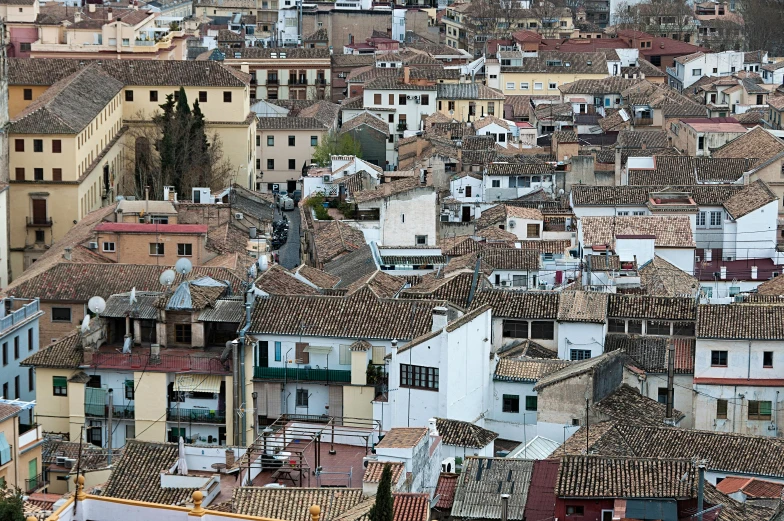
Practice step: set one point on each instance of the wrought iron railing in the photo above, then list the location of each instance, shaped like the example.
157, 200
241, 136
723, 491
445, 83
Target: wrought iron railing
36, 483
195, 415
305, 375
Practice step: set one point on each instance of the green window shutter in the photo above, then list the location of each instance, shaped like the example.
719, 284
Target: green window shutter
60, 381
530, 403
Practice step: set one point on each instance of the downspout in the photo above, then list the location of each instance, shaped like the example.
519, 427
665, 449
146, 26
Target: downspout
249, 299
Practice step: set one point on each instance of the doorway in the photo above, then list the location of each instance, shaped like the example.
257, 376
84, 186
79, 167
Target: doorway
466, 214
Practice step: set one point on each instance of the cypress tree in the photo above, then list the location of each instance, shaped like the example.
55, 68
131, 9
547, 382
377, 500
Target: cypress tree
382, 509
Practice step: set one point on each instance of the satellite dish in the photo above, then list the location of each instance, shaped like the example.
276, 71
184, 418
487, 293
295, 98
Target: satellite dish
167, 278
183, 266
96, 305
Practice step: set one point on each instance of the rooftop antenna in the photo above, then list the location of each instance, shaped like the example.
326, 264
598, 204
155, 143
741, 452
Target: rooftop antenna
183, 267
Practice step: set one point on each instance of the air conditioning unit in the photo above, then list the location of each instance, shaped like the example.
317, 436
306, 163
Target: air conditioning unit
93, 245
239, 216
504, 282
367, 459
69, 463
512, 223
61, 461
326, 178
444, 217
448, 465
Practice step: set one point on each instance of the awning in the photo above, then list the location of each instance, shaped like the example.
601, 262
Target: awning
199, 383
319, 349
5, 450
94, 401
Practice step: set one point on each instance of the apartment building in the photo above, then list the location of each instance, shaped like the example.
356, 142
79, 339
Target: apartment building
19, 319
690, 68
137, 243
20, 447
287, 73
65, 143
542, 73
284, 148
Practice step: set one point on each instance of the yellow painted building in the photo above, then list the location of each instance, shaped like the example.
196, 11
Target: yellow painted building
72, 147
542, 74
469, 101
20, 449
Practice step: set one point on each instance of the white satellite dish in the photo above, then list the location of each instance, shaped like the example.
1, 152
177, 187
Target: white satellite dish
183, 266
167, 278
96, 305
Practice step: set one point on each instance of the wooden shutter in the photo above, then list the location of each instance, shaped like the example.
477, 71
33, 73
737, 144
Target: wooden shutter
20, 174
57, 174
378, 355
261, 400
39, 211
273, 400
345, 355
301, 355
336, 401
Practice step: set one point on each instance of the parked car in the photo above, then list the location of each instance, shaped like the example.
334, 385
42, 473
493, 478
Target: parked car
285, 203
297, 196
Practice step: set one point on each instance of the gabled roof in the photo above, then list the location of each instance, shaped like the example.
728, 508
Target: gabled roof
622, 478
522, 305
555, 61
454, 289
669, 231
740, 322
663, 279
526, 348
402, 438
651, 307
277, 280
753, 197
639, 138
541, 493
582, 306
525, 369
650, 353
366, 119
468, 91
293, 504
65, 353
627, 404
608, 85
708, 195
445, 490
483, 480
375, 468
684, 170
464, 434
575, 369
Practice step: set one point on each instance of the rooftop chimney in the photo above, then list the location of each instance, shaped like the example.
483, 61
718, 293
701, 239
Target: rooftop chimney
439, 318
67, 254
754, 272
406, 74
91, 7
109, 14
432, 425
723, 271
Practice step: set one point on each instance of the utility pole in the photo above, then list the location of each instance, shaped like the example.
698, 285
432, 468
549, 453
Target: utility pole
109, 428
670, 380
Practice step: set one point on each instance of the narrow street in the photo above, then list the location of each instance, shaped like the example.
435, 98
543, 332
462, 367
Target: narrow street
289, 253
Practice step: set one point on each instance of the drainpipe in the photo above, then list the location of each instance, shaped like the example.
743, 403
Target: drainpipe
249, 299
701, 490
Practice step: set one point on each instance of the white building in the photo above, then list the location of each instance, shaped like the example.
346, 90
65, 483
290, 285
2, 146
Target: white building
505, 181
503, 131
409, 101
773, 73
335, 180
690, 68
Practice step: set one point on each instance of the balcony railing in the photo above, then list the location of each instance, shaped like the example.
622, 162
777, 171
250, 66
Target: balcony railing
37, 221
19, 315
123, 412
305, 375
298, 82
273, 81
643, 121
36, 483
195, 415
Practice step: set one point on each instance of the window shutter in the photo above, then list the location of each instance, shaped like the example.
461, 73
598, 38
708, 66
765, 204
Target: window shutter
378, 355
273, 400
302, 356
345, 355
336, 401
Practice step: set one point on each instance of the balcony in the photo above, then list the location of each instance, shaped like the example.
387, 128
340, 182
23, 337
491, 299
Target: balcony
37, 483
300, 82
174, 414
294, 374
643, 121
33, 434
273, 81
38, 222
20, 315
123, 412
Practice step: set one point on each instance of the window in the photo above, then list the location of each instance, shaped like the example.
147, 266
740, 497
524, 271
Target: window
700, 142
61, 314
182, 333
707, 291
270, 164
378, 355
538, 85
510, 85
515, 328
30, 345
579, 354
683, 329
734, 290
532, 230
38, 145
696, 72
524, 85
19, 145
38, 174
542, 330
5, 393
5, 353
270, 141
40, 237
401, 99
661, 395
20, 174
767, 359
156, 248
129, 390
130, 431
313, 141
658, 328
184, 250
574, 510
419, 377
16, 349
108, 246
496, 183
153, 95
719, 358
616, 325
531, 403
344, 357
292, 164
511, 403
759, 410
28, 94
721, 409
60, 386
376, 99
490, 108
420, 240
226, 96
278, 354
126, 42
128, 95
519, 280
203, 96
552, 85
31, 379
425, 99
701, 219
450, 105
57, 146
715, 219
292, 141
302, 397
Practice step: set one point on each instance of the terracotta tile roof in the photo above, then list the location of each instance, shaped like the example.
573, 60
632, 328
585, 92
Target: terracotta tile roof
486, 121
334, 238
483, 480
69, 105
293, 53
759, 488
753, 197
575, 369
454, 289
507, 259
66, 353
603, 477
627, 404
651, 307
733, 510
526, 348
774, 286
740, 322
579, 62
525, 369
352, 60
464, 434
608, 85
402, 438
187, 73
277, 280
603, 262
660, 278
682, 170
724, 452
469, 91
650, 352
582, 306
289, 123
351, 266
360, 315
669, 231
638, 138
322, 111
411, 507
644, 67
366, 119
389, 189
7, 410
322, 279
137, 476
292, 504
445, 490
491, 233
79, 282
375, 468
380, 283
703, 195
523, 305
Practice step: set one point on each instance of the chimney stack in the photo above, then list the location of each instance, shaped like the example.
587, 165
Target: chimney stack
67, 254
723, 271
754, 272
439, 318
109, 14
91, 7
406, 74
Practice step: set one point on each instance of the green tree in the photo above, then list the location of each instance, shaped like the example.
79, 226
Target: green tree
332, 144
382, 509
11, 505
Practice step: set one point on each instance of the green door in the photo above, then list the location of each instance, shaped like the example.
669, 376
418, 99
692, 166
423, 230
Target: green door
32, 473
